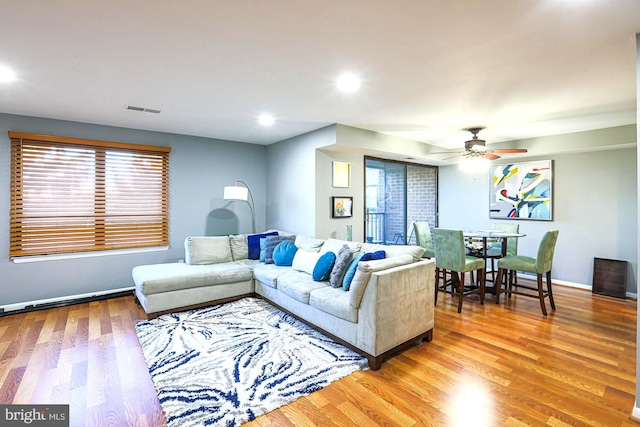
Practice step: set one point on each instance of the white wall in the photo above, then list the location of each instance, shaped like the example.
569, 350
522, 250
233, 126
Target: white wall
594, 207
291, 181
326, 226
199, 169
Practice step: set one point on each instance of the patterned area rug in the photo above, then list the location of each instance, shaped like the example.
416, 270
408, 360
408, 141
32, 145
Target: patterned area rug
227, 364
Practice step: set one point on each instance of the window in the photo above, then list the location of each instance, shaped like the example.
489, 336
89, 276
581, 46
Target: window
75, 195
398, 193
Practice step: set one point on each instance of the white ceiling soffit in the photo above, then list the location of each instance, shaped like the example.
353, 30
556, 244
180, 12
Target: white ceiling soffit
428, 68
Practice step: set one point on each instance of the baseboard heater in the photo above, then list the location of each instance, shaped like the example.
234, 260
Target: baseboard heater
43, 304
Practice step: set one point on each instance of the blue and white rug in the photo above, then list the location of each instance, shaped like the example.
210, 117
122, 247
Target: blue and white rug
227, 364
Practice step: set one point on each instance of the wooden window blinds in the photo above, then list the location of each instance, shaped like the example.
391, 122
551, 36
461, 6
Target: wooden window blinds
76, 195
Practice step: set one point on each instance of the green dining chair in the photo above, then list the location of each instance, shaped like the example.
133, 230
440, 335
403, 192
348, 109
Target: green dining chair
495, 252
422, 232
451, 255
540, 265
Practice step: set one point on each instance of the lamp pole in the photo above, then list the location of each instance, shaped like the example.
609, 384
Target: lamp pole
251, 204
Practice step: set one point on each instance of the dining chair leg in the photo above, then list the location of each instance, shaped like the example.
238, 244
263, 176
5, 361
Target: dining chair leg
510, 273
541, 295
493, 270
461, 292
435, 297
553, 304
498, 285
483, 282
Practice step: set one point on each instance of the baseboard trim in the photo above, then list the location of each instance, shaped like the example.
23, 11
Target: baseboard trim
630, 295
27, 306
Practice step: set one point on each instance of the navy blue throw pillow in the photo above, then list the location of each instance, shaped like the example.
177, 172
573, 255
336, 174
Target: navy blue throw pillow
370, 256
253, 240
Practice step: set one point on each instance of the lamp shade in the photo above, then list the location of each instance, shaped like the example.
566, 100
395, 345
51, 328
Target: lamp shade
236, 192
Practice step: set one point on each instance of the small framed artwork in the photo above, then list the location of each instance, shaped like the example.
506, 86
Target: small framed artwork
341, 207
341, 174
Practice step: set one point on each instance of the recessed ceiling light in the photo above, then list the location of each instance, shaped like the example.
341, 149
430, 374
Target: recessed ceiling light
348, 82
266, 120
6, 75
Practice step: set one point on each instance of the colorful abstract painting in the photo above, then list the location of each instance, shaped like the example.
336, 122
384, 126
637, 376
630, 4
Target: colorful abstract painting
521, 191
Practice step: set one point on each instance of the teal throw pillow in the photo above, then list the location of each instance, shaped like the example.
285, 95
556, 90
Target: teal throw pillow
284, 252
270, 246
322, 270
351, 271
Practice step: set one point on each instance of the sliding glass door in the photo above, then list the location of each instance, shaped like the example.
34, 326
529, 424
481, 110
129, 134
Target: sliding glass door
397, 194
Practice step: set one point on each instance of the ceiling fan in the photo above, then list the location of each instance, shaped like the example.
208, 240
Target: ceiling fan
476, 148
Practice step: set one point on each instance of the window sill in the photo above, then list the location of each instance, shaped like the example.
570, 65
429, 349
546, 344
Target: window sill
37, 258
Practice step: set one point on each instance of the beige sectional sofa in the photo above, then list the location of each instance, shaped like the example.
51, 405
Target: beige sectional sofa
388, 306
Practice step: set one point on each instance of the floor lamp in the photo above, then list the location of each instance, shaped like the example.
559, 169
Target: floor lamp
235, 192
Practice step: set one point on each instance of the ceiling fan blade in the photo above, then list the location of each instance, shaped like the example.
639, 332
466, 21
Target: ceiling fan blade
452, 157
448, 152
510, 150
491, 156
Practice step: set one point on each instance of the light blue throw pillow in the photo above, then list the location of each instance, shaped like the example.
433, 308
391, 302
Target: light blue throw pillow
322, 270
263, 244
351, 271
284, 252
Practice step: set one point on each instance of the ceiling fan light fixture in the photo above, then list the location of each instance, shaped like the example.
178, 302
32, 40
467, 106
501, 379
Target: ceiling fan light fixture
474, 163
478, 145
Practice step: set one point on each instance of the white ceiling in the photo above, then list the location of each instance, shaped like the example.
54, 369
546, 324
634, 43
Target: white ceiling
429, 68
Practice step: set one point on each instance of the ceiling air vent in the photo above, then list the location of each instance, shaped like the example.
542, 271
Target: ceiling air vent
144, 110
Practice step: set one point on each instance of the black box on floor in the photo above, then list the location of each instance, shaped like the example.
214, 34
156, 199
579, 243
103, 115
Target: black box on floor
610, 277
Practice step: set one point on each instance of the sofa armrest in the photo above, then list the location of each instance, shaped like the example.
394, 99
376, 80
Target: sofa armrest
397, 305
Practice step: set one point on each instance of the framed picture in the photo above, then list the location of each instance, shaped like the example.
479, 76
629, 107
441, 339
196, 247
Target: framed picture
521, 191
341, 174
341, 207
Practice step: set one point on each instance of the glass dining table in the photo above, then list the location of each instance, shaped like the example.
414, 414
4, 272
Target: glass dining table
481, 250
484, 235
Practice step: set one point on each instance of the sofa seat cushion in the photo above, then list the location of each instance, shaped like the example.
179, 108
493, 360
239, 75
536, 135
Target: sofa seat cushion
298, 285
268, 273
158, 278
334, 301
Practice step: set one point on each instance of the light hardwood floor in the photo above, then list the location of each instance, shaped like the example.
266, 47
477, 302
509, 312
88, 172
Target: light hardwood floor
492, 365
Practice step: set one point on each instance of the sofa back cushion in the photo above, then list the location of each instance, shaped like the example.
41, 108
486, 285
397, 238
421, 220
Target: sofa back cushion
334, 245
239, 246
309, 244
207, 250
